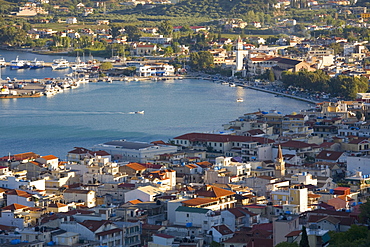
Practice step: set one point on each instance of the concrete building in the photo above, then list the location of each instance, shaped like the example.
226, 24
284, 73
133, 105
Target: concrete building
123, 150
283, 225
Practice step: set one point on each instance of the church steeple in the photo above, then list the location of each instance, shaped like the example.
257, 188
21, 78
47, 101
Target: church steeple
239, 44
279, 164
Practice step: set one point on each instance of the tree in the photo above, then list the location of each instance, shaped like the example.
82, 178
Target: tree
165, 28
358, 236
365, 212
115, 30
106, 66
286, 244
304, 238
133, 32
201, 60
359, 115
271, 76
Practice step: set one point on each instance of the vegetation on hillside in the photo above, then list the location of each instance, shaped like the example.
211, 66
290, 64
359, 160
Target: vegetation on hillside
213, 8
342, 86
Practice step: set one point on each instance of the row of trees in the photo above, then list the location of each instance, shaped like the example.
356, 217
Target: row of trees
318, 81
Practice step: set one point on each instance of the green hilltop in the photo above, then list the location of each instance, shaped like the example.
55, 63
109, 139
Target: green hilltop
212, 8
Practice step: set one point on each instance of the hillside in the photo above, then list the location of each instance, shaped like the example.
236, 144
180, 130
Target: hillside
212, 8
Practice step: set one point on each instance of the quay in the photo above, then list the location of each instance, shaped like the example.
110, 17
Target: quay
311, 101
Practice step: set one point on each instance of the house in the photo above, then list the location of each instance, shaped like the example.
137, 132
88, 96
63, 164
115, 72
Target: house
104, 232
331, 156
161, 239
20, 197
220, 233
50, 161
86, 197
133, 169
196, 217
236, 218
71, 20
284, 225
166, 178
20, 216
57, 207
143, 49
158, 39
223, 144
144, 193
293, 65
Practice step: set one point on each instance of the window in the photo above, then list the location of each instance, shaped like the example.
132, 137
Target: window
187, 215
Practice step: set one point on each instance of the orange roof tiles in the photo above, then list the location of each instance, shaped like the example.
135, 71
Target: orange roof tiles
136, 166
19, 193
14, 206
49, 157
213, 192
136, 201
198, 201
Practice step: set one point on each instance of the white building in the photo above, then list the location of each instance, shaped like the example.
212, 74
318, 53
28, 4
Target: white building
356, 164
18, 183
156, 69
197, 217
155, 39
50, 161
144, 193
123, 150
80, 196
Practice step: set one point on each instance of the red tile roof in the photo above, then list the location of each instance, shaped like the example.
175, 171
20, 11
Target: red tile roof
136, 166
223, 229
329, 155
20, 193
94, 225
162, 235
213, 192
49, 157
293, 234
198, 201
79, 150
14, 206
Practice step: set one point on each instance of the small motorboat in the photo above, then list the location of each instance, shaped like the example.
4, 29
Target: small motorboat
239, 100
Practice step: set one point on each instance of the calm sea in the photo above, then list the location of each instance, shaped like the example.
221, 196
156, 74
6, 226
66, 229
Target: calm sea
99, 112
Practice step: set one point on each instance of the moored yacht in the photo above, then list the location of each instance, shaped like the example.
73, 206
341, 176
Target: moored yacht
36, 64
2, 62
18, 64
60, 63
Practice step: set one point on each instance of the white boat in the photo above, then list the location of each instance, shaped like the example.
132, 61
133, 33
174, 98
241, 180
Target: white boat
224, 83
2, 62
60, 63
18, 64
231, 85
36, 64
109, 80
239, 100
80, 66
83, 80
139, 112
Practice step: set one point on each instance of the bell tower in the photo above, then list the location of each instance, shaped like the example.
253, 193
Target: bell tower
279, 164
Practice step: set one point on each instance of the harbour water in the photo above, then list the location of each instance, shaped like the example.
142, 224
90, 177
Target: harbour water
100, 112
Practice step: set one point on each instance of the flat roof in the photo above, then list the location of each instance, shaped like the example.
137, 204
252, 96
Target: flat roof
128, 145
